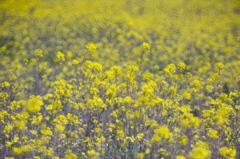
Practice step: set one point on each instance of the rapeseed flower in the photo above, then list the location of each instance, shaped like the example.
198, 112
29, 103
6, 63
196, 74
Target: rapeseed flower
169, 97
181, 66
75, 62
60, 56
228, 152
145, 46
17, 150
212, 133
200, 153
38, 52
34, 105
180, 157
91, 47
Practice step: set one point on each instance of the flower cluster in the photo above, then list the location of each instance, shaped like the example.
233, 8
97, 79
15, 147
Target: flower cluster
97, 81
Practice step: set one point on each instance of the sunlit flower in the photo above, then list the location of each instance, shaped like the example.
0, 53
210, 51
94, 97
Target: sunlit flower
91, 47
228, 152
34, 105
146, 46
60, 56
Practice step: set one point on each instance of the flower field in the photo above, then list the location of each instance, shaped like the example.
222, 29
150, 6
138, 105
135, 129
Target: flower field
108, 79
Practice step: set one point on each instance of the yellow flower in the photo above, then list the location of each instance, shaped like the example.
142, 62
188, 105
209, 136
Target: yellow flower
133, 68
163, 131
147, 76
38, 52
209, 88
116, 70
147, 151
7, 128
120, 132
212, 133
9, 144
91, 47
4, 95
93, 66
75, 62
46, 132
92, 154
6, 84
140, 155
60, 56
34, 105
37, 119
26, 148
34, 132
200, 152
49, 152
187, 95
16, 150
146, 46
183, 140
228, 153
71, 156
197, 84
172, 68
20, 124
140, 136
220, 65
180, 157
61, 119
131, 139
181, 66
15, 139
60, 128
